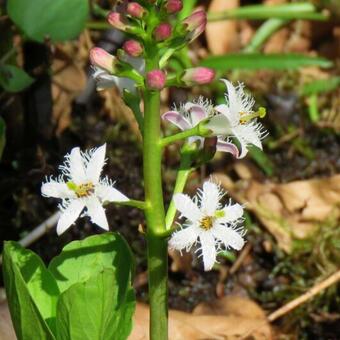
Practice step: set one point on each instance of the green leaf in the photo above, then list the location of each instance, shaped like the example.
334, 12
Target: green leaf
26, 280
264, 32
79, 260
95, 309
255, 61
320, 86
301, 10
57, 20
2, 136
133, 102
13, 78
188, 7
262, 160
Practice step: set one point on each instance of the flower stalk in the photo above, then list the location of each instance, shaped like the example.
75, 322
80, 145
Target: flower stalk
184, 171
157, 252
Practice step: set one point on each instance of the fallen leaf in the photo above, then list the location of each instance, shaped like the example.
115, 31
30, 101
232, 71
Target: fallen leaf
228, 318
69, 78
289, 211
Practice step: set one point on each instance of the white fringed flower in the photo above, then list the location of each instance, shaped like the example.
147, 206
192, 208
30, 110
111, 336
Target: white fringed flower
83, 188
237, 119
190, 115
208, 223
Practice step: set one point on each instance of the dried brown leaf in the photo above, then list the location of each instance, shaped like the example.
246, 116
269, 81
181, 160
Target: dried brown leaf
227, 318
289, 211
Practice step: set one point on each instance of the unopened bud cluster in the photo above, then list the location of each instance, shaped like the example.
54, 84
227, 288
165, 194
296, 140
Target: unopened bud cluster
151, 28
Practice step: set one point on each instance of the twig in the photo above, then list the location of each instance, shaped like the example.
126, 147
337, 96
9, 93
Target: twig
238, 263
39, 231
318, 288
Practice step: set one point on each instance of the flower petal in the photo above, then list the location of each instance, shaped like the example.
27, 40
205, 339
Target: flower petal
187, 207
197, 112
106, 192
96, 212
251, 133
208, 249
223, 109
210, 198
56, 189
243, 143
69, 214
95, 164
232, 213
224, 146
177, 119
184, 238
219, 125
229, 236
232, 96
76, 167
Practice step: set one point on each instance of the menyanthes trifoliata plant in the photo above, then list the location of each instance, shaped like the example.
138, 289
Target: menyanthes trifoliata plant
92, 277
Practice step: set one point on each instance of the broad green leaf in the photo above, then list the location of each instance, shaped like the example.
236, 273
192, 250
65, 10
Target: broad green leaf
13, 78
95, 309
320, 86
27, 320
2, 136
79, 260
57, 20
255, 61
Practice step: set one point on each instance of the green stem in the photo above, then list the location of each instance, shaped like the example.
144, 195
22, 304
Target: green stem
198, 130
98, 25
134, 203
184, 171
157, 246
9, 54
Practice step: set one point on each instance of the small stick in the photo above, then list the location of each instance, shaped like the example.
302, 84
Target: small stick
39, 231
318, 288
238, 263
305, 297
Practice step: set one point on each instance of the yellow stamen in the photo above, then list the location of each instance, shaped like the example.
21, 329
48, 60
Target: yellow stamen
261, 113
82, 190
207, 222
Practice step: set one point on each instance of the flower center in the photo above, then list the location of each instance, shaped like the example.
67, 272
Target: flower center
82, 190
245, 117
207, 222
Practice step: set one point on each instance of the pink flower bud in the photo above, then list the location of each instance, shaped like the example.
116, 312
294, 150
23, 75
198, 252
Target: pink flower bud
195, 24
198, 75
135, 10
155, 79
133, 48
162, 32
173, 6
117, 21
102, 59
